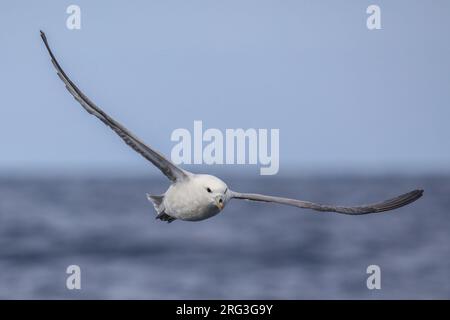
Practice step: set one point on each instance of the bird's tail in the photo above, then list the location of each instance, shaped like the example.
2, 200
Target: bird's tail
158, 203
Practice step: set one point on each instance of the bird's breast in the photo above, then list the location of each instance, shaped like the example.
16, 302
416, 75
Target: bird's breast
185, 201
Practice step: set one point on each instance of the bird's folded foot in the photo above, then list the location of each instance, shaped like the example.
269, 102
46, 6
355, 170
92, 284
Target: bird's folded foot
165, 217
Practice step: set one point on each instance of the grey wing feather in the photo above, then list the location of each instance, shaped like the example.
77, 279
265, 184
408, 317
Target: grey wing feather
172, 171
387, 205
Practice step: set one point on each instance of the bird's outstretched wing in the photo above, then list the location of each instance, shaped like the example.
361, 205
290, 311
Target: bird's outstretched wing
173, 172
387, 205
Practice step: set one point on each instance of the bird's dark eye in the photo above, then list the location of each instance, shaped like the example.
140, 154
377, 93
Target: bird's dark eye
209, 190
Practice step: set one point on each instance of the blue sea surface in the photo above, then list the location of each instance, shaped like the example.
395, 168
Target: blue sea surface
249, 251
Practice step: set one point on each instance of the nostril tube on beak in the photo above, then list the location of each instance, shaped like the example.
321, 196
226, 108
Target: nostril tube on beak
219, 202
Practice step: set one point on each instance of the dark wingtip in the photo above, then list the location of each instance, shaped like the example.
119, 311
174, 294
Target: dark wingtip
44, 38
399, 201
419, 192
413, 195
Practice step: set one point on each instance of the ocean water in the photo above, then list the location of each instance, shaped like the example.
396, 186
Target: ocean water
249, 251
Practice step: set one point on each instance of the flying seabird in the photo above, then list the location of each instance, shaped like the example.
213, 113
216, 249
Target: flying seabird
195, 197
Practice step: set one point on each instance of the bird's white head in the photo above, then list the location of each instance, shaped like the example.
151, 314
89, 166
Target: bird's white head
214, 190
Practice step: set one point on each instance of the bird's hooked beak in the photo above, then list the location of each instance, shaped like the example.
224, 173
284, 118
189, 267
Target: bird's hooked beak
220, 203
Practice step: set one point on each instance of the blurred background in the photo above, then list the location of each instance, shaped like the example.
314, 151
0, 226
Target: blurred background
363, 116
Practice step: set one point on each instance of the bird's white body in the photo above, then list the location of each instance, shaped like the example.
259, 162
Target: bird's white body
198, 197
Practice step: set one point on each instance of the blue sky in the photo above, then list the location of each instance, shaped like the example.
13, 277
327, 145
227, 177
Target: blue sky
343, 97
